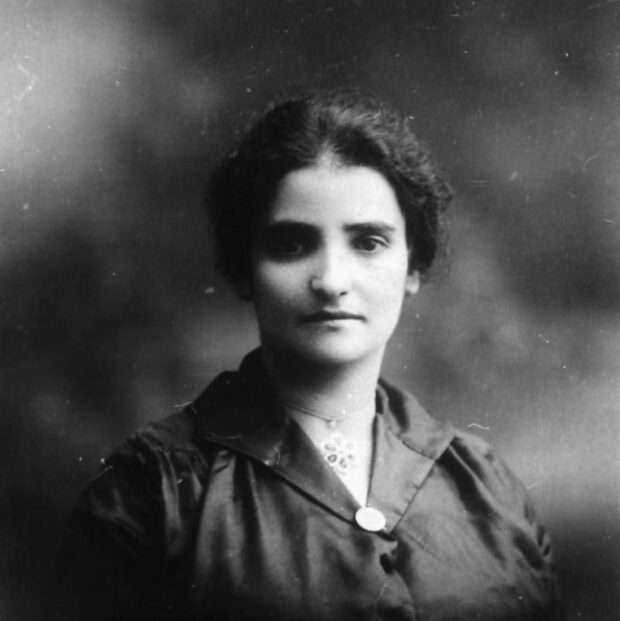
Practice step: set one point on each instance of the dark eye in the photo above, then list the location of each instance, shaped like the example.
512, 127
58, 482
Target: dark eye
287, 248
370, 243
286, 242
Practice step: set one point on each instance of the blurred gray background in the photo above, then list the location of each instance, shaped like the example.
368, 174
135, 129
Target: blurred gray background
112, 114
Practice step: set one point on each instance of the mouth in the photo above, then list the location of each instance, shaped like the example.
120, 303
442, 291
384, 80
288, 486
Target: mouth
326, 316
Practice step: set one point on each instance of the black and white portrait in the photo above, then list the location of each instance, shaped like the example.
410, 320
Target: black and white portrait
310, 309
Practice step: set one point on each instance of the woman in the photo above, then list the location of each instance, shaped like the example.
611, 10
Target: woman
302, 486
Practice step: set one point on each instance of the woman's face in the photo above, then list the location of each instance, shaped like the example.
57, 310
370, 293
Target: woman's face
330, 266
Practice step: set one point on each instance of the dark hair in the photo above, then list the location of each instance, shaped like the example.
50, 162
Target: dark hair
297, 133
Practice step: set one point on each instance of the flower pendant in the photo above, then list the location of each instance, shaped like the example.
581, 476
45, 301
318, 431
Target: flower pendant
339, 453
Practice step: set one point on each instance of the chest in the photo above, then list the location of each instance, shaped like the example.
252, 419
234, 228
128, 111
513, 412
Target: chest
254, 542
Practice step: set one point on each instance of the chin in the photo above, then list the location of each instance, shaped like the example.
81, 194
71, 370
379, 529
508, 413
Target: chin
332, 354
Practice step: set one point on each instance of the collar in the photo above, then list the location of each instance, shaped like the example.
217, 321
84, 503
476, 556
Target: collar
238, 411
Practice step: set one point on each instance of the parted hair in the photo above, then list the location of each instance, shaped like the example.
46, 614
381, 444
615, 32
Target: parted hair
300, 132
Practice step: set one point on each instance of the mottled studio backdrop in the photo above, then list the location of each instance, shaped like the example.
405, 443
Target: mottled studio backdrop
111, 116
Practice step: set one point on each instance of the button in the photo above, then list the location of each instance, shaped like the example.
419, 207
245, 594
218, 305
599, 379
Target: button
370, 519
388, 562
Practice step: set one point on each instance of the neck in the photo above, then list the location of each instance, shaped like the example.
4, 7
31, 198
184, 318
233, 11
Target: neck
340, 392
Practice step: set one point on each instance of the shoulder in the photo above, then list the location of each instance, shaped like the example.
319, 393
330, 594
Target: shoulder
478, 453
122, 527
173, 434
154, 459
134, 478
170, 437
497, 491
472, 457
462, 457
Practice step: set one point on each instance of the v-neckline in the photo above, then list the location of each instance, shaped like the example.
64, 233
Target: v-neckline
238, 411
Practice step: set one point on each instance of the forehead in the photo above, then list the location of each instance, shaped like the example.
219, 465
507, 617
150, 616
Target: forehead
328, 193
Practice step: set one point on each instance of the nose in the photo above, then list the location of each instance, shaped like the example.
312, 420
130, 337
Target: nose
331, 276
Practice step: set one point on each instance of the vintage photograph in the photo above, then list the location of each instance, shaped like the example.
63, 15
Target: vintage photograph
310, 310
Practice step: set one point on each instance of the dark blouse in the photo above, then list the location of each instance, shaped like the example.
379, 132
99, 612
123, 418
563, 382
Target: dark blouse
226, 510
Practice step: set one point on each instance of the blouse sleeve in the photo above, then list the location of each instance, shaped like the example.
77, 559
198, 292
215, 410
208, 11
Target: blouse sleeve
508, 491
112, 549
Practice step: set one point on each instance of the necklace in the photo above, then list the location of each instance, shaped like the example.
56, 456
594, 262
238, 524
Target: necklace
332, 421
340, 453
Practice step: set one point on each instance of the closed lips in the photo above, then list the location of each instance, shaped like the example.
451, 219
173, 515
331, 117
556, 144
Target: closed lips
332, 316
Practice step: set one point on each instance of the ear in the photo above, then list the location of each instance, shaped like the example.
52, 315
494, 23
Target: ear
412, 285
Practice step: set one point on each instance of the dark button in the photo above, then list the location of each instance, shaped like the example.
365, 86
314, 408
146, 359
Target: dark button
388, 562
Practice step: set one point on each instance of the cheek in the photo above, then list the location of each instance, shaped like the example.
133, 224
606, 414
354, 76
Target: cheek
388, 300
389, 279
275, 285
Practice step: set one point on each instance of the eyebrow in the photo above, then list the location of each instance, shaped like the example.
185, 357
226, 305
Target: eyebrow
286, 227
373, 225
376, 226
